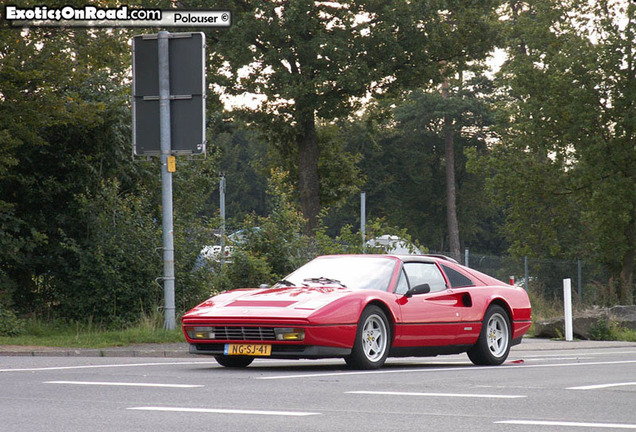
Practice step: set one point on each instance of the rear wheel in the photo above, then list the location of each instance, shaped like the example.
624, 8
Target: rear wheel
371, 346
233, 361
493, 345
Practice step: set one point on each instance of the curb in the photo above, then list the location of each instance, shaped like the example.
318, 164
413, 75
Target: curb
151, 350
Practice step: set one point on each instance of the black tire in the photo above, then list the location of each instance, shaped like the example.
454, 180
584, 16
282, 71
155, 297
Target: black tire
373, 340
233, 361
493, 346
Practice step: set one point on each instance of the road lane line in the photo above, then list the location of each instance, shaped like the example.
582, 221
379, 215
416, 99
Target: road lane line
568, 424
455, 395
601, 386
55, 368
449, 369
123, 384
226, 411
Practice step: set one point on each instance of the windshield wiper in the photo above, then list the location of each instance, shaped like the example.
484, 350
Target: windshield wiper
324, 280
285, 282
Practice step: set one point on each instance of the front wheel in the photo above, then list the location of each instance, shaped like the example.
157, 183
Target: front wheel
371, 346
233, 361
493, 345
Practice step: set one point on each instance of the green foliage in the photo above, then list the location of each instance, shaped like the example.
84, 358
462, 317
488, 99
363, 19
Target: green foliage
316, 62
275, 245
79, 219
87, 334
109, 272
611, 331
245, 270
10, 324
602, 330
564, 167
278, 238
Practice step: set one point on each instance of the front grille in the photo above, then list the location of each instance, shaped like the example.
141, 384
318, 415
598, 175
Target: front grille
244, 333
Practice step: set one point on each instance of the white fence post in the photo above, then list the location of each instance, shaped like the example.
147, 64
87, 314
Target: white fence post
567, 306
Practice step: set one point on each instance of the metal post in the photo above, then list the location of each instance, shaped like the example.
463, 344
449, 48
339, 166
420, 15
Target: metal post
567, 309
526, 273
166, 180
579, 272
363, 217
466, 258
222, 209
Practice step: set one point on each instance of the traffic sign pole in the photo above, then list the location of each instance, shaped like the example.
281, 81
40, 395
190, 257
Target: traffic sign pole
166, 180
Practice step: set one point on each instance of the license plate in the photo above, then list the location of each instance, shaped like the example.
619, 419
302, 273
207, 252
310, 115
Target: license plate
248, 349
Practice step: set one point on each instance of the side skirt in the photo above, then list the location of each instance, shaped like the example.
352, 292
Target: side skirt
428, 351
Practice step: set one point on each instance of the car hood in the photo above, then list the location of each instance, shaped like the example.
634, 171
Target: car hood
284, 302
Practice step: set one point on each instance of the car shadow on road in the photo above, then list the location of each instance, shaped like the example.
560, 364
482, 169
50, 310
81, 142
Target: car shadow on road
335, 366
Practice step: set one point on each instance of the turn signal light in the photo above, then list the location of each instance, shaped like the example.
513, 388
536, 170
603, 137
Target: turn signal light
289, 334
200, 332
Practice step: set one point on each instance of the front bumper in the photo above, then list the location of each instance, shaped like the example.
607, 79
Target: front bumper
279, 351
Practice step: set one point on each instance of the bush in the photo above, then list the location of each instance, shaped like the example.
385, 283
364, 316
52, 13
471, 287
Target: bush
611, 331
10, 324
275, 245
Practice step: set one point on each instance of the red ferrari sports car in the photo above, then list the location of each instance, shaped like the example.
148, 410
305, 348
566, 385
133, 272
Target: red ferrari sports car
364, 308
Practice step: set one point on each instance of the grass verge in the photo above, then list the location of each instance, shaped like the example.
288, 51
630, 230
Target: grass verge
88, 335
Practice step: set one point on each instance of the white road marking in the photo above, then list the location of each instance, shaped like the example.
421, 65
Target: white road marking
456, 395
601, 386
557, 358
573, 354
449, 369
226, 411
123, 384
54, 368
568, 424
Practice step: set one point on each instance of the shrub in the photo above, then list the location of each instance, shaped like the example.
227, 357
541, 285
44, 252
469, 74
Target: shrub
10, 324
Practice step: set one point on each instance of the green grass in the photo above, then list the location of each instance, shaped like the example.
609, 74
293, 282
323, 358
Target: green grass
611, 331
88, 335
546, 308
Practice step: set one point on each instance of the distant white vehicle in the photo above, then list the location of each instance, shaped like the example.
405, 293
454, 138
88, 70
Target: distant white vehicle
393, 244
214, 253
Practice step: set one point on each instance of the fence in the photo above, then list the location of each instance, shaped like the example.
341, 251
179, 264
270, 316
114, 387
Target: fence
590, 281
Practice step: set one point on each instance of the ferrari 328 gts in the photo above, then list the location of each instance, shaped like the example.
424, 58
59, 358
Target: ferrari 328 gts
364, 308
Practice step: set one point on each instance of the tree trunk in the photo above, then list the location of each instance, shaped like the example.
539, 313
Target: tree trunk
451, 194
308, 179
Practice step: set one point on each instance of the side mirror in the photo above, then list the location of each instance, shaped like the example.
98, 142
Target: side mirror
418, 289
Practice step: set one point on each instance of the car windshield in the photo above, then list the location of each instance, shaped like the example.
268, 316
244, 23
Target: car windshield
358, 272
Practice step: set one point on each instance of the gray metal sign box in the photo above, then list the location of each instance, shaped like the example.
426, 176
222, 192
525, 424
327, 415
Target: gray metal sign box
187, 94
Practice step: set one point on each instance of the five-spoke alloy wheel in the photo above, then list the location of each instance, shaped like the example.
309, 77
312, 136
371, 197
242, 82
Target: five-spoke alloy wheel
493, 345
373, 340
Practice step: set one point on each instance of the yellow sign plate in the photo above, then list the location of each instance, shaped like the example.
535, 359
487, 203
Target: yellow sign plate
172, 164
248, 349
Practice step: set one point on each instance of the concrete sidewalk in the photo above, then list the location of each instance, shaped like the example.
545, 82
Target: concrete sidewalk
176, 350
537, 344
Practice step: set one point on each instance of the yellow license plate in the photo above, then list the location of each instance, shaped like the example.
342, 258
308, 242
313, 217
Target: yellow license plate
248, 349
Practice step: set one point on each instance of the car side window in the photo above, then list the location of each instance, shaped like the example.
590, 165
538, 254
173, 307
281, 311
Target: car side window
421, 273
402, 285
456, 279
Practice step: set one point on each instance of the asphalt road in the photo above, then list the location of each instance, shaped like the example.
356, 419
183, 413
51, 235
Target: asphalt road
592, 387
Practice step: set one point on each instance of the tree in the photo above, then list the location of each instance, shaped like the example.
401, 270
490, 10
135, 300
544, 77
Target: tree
315, 60
566, 167
444, 125
78, 217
